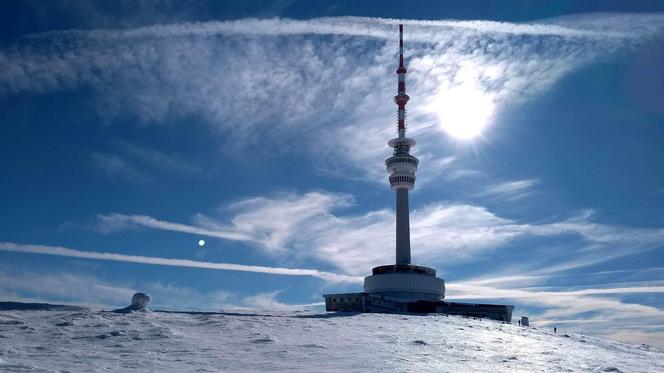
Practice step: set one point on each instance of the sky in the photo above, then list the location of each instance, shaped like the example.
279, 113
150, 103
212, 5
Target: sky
229, 154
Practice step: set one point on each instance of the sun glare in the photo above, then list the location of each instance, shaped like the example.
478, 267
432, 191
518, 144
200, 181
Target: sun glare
464, 111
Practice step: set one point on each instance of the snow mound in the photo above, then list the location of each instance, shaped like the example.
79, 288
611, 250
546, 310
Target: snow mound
93, 341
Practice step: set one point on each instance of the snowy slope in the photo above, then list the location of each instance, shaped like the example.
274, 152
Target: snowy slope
89, 340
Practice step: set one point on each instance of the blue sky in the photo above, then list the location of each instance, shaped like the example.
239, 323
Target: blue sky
131, 131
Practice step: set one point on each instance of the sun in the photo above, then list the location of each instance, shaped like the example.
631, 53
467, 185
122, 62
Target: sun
464, 111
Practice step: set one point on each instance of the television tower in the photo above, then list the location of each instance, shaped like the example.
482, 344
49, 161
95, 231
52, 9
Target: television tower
403, 287
401, 165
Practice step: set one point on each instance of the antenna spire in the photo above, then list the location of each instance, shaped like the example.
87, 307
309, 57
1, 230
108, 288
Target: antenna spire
401, 99
401, 67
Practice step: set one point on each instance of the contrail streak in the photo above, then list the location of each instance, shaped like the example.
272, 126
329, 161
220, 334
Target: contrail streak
67, 252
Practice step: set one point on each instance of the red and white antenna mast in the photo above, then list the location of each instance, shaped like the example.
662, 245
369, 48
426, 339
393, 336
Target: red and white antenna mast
401, 99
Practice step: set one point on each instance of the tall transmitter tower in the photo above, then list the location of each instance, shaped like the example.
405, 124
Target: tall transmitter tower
401, 165
404, 287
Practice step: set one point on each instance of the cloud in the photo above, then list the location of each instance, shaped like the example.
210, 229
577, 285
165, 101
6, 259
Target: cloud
268, 301
117, 222
89, 290
138, 162
615, 303
62, 287
154, 158
72, 253
655, 193
308, 226
585, 310
510, 190
469, 291
257, 82
520, 277
114, 165
591, 25
174, 297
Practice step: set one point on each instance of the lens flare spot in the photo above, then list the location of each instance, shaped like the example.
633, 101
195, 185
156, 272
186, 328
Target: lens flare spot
201, 243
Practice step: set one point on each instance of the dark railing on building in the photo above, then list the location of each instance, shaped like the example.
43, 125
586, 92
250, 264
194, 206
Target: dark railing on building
403, 268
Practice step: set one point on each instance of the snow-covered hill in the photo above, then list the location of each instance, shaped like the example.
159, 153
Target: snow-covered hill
89, 340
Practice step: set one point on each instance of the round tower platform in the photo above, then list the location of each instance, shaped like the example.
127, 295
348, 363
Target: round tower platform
405, 282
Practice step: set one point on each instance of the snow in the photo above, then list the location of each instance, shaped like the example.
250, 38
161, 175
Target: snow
90, 341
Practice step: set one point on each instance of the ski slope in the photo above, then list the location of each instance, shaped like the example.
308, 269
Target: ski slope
92, 341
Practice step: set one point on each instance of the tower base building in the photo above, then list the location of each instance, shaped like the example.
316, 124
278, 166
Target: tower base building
409, 288
403, 287
377, 303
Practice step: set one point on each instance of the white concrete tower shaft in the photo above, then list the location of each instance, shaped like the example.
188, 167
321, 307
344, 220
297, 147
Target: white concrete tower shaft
401, 165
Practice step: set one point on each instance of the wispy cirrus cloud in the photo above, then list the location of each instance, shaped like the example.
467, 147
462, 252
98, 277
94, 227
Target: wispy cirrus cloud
137, 162
243, 77
155, 158
309, 226
114, 165
509, 190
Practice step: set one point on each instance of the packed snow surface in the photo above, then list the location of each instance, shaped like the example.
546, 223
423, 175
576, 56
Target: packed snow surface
84, 340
